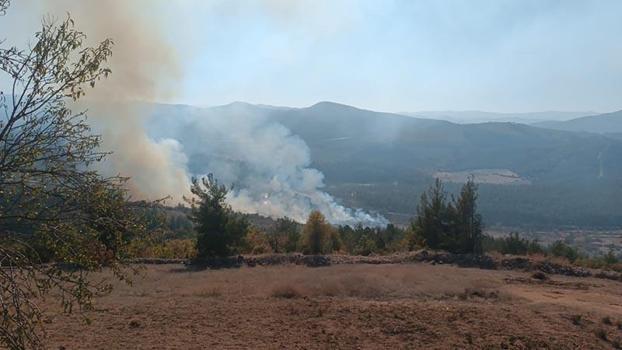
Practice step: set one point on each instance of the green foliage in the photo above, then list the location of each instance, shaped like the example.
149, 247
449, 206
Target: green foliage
453, 225
515, 245
432, 224
220, 231
512, 244
318, 236
607, 261
561, 249
54, 208
167, 249
285, 237
538, 206
467, 222
256, 242
179, 226
371, 240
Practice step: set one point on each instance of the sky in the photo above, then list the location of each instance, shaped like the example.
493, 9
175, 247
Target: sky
388, 55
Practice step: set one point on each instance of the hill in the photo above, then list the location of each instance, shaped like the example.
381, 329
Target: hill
608, 123
465, 117
383, 161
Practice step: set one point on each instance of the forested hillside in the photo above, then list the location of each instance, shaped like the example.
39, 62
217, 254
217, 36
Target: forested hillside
382, 161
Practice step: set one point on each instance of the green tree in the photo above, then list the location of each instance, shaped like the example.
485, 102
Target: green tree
561, 249
53, 207
453, 225
432, 223
220, 231
317, 235
468, 223
285, 236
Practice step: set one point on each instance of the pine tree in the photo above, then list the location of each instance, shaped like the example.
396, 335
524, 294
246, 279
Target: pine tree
468, 222
453, 225
220, 232
432, 223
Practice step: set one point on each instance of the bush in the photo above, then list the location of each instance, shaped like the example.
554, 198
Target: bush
372, 240
169, 249
286, 292
512, 244
366, 246
285, 237
256, 242
607, 261
560, 249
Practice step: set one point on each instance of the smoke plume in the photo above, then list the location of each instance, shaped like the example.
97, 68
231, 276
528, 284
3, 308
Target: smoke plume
268, 166
144, 68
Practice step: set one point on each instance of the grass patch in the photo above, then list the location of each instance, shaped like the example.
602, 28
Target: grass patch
286, 292
602, 334
210, 293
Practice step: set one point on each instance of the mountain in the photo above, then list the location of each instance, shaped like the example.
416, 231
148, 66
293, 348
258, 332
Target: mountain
386, 147
383, 161
608, 123
464, 117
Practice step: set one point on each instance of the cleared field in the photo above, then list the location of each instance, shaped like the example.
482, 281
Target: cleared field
346, 306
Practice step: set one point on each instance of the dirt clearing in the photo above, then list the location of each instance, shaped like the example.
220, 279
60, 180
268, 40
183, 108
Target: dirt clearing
406, 306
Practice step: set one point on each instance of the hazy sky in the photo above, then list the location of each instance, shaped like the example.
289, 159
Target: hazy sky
495, 55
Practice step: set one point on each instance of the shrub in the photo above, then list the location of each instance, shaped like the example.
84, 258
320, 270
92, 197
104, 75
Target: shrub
560, 249
512, 244
361, 240
169, 249
256, 242
285, 237
577, 320
286, 292
365, 246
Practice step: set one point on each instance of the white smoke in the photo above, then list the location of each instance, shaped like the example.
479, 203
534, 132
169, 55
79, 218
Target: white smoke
267, 165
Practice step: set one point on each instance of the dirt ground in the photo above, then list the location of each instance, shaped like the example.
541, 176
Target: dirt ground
409, 306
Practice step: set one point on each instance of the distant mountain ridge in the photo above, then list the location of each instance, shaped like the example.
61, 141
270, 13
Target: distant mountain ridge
607, 123
382, 161
469, 117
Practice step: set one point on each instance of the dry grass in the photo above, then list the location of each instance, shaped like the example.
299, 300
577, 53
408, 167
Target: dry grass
607, 320
208, 293
287, 292
345, 306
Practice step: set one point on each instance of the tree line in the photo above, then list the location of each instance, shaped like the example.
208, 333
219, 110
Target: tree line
441, 223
